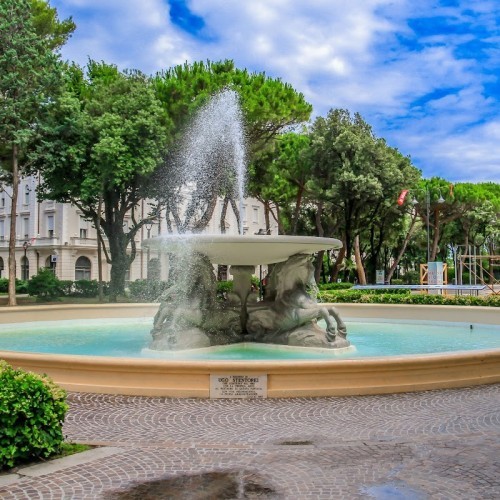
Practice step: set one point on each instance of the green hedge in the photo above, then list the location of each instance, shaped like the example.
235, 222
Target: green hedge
362, 297
47, 286
335, 286
147, 290
32, 411
21, 286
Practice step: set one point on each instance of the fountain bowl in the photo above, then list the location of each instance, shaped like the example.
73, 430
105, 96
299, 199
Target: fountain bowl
338, 377
242, 250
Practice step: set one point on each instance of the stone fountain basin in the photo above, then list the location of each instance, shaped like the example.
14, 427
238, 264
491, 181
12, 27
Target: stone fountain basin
243, 250
180, 378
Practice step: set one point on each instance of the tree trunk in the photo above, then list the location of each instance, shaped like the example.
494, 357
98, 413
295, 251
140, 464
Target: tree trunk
99, 249
359, 264
223, 216
120, 261
267, 210
296, 212
334, 271
403, 248
436, 236
321, 233
13, 219
237, 215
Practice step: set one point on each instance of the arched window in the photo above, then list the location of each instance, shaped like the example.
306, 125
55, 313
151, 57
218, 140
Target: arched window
25, 268
82, 268
1, 267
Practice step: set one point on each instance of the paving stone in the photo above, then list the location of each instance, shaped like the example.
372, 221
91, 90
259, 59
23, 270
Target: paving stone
436, 444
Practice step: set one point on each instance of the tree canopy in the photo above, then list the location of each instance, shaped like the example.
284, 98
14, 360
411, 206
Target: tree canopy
104, 138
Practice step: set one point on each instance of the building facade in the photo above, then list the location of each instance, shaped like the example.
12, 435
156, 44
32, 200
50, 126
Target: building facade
55, 235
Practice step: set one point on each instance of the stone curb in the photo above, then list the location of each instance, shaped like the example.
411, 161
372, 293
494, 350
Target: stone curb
58, 464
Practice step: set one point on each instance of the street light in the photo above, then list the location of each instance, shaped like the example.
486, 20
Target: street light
26, 244
427, 212
148, 225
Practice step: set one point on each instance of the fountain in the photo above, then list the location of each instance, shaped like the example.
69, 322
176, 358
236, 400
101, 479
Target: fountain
190, 319
190, 316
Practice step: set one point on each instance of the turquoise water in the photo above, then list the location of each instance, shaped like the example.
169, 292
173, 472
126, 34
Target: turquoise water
128, 338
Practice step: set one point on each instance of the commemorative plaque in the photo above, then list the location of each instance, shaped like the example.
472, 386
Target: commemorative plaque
238, 386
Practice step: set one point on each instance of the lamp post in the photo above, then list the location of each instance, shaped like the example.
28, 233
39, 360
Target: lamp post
261, 232
26, 244
148, 225
427, 214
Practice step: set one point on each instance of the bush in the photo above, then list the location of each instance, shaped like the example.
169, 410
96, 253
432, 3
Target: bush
411, 277
85, 288
147, 290
32, 411
224, 287
21, 286
45, 285
397, 281
66, 288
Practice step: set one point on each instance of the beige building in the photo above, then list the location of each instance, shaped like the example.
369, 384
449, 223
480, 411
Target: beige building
55, 235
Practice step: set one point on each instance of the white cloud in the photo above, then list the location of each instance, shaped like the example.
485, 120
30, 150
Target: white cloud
360, 55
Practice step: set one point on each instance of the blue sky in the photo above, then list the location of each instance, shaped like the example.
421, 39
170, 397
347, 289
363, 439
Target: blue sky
423, 73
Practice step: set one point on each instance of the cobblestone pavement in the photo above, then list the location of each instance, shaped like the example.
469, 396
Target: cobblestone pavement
437, 444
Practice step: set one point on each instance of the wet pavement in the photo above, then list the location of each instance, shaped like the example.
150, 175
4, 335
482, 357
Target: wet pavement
437, 444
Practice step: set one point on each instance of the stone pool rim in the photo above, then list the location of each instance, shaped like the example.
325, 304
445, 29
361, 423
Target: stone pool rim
304, 378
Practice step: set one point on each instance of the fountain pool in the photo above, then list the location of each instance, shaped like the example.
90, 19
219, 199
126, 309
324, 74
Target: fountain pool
118, 337
124, 369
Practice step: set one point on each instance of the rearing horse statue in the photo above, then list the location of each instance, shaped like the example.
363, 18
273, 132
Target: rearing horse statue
289, 314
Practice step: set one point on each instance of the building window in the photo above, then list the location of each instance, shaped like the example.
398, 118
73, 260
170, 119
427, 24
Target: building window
2, 201
1, 267
50, 226
256, 215
2, 229
25, 268
51, 263
82, 268
84, 228
27, 191
26, 227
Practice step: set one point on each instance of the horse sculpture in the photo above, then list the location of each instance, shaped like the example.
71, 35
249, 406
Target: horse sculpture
288, 314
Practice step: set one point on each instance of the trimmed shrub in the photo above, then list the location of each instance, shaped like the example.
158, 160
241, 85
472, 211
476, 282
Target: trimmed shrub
66, 288
85, 288
32, 411
397, 281
362, 297
335, 286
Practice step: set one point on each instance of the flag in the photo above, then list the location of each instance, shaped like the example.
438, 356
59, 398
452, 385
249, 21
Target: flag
402, 197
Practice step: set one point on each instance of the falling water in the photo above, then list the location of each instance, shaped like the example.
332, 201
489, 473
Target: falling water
211, 157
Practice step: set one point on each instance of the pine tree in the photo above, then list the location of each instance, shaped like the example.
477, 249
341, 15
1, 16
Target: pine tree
29, 78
